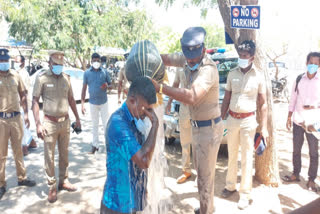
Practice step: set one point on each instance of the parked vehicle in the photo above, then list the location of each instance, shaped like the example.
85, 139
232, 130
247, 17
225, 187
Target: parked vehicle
278, 74
76, 78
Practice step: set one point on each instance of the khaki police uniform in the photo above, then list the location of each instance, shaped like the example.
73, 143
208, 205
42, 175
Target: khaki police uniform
55, 92
125, 82
205, 140
11, 127
184, 124
244, 93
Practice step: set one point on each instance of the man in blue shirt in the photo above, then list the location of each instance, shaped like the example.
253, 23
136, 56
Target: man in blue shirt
98, 81
129, 152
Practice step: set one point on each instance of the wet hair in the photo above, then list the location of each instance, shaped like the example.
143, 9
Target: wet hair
248, 46
313, 54
95, 56
143, 86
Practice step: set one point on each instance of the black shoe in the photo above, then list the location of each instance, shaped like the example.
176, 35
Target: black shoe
197, 210
227, 193
93, 150
2, 191
27, 182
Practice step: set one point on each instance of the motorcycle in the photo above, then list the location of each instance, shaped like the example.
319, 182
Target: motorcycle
278, 87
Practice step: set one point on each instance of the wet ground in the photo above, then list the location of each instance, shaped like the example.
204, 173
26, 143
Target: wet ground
88, 173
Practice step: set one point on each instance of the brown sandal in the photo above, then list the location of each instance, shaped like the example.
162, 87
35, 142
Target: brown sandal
291, 178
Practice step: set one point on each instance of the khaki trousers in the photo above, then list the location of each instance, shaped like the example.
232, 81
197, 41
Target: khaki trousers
57, 132
11, 129
186, 142
241, 133
205, 146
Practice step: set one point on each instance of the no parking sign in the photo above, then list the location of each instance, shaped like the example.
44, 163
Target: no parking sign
245, 17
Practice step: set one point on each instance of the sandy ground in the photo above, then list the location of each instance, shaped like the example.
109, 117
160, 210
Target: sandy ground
88, 173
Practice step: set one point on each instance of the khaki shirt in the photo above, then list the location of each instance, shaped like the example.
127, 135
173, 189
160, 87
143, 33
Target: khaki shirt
123, 78
244, 89
26, 80
207, 77
11, 85
54, 91
181, 78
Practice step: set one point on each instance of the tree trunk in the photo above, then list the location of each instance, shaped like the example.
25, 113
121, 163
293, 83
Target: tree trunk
266, 165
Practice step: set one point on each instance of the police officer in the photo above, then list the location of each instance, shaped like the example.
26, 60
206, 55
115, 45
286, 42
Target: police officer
55, 89
12, 90
202, 96
244, 90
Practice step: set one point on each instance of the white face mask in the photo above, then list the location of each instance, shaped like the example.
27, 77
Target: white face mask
243, 63
96, 65
143, 126
17, 66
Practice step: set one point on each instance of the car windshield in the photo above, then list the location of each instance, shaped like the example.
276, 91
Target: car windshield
78, 74
279, 64
224, 65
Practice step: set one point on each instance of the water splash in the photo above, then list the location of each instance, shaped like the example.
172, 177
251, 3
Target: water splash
158, 201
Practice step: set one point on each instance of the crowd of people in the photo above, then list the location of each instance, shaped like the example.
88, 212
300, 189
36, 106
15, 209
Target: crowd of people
130, 143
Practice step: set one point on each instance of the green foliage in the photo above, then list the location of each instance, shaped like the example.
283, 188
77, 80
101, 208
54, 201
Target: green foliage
169, 42
204, 5
215, 36
76, 26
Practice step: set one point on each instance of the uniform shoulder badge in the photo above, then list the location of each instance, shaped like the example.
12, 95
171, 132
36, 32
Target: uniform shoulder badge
44, 72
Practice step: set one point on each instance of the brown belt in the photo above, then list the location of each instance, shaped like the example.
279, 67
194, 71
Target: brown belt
308, 107
56, 119
240, 115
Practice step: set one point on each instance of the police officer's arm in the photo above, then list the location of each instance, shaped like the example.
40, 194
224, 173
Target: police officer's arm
174, 60
205, 80
227, 97
83, 97
143, 157
225, 104
264, 117
24, 100
73, 106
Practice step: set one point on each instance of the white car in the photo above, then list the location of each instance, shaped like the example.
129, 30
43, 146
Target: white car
76, 78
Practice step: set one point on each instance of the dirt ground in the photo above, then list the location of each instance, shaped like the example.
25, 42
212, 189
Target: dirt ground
88, 173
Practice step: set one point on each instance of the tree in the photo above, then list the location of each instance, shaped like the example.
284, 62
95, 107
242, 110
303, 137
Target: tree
274, 56
267, 169
76, 26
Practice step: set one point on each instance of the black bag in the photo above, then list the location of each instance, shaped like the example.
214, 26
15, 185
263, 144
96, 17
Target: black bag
297, 82
144, 60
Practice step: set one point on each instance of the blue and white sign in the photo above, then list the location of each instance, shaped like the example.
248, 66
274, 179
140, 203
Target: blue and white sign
245, 17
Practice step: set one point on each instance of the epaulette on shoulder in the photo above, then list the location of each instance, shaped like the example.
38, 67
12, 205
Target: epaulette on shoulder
43, 72
66, 75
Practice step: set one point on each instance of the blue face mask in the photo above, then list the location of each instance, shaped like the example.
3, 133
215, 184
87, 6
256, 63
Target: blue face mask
4, 66
57, 69
312, 68
194, 67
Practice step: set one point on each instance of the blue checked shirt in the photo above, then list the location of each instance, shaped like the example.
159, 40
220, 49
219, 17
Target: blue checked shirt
125, 187
94, 80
